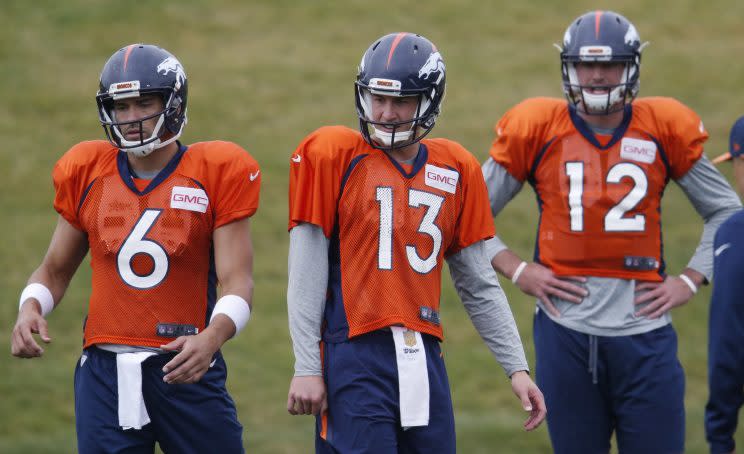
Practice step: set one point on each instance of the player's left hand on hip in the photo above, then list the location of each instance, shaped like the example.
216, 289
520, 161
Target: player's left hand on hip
192, 361
661, 297
531, 397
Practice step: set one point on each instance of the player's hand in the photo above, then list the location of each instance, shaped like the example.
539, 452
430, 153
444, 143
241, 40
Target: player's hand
192, 361
540, 282
531, 397
662, 296
29, 322
307, 395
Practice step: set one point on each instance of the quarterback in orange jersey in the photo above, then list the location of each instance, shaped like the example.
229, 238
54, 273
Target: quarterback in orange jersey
599, 165
164, 223
386, 207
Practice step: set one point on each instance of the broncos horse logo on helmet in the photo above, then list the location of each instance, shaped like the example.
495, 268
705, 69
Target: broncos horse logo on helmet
400, 64
136, 70
434, 64
171, 64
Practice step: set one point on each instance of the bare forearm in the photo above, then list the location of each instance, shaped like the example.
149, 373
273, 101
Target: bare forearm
506, 263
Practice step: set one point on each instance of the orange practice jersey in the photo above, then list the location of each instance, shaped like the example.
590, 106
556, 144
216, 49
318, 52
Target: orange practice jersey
151, 241
390, 226
599, 196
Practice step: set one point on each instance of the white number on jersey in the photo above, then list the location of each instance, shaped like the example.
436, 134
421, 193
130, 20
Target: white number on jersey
614, 219
416, 199
136, 243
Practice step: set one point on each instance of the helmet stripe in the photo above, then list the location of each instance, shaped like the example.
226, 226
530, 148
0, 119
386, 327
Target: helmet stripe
396, 41
597, 21
129, 50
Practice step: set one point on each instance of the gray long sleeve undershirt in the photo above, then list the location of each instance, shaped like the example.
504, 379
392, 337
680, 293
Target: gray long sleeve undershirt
475, 282
485, 302
306, 295
609, 310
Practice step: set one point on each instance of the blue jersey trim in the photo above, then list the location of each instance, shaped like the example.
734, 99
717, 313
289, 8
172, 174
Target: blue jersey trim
588, 134
122, 163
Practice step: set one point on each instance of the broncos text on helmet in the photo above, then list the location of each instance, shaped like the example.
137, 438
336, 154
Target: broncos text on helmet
136, 70
400, 64
601, 36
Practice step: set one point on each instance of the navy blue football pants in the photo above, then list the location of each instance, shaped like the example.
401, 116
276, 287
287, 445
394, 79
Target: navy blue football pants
363, 415
188, 418
594, 385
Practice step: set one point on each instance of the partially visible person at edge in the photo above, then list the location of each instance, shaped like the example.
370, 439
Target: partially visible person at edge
606, 352
386, 208
164, 223
726, 324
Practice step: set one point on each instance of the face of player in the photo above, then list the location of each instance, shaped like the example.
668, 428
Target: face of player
596, 77
132, 110
393, 109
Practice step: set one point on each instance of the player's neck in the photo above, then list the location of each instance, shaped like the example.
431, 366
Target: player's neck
154, 162
610, 121
407, 153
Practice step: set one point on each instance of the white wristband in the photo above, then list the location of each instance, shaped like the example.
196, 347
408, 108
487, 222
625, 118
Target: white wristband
41, 294
234, 307
689, 283
518, 272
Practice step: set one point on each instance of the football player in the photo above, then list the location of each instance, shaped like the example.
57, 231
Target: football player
373, 215
164, 223
726, 324
605, 347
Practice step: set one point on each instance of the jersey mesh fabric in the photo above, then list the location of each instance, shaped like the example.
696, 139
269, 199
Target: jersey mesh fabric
394, 232
134, 307
599, 195
390, 225
151, 241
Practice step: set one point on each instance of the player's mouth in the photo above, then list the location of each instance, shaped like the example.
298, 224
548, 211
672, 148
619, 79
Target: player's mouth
133, 133
597, 90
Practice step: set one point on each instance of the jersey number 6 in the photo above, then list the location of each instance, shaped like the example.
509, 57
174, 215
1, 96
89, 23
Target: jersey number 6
136, 243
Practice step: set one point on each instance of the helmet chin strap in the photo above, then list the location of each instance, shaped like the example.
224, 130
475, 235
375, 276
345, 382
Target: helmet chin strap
386, 138
143, 150
597, 103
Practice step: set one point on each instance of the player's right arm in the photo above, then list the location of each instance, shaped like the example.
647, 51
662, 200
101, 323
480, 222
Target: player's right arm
66, 251
306, 293
314, 188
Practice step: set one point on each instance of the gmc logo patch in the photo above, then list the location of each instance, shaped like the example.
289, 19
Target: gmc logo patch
440, 178
192, 199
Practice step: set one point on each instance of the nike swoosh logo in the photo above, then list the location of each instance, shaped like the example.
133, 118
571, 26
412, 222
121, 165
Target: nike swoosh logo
212, 363
296, 158
721, 248
253, 176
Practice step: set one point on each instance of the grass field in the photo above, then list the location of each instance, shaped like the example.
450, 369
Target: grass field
266, 73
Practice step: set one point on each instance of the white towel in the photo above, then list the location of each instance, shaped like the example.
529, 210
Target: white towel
413, 377
132, 411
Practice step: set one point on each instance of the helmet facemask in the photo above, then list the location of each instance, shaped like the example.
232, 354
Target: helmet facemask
404, 133
165, 126
613, 100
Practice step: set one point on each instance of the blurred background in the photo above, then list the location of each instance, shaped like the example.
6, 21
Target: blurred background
266, 73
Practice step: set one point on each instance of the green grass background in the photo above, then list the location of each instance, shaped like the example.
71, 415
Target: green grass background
266, 73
